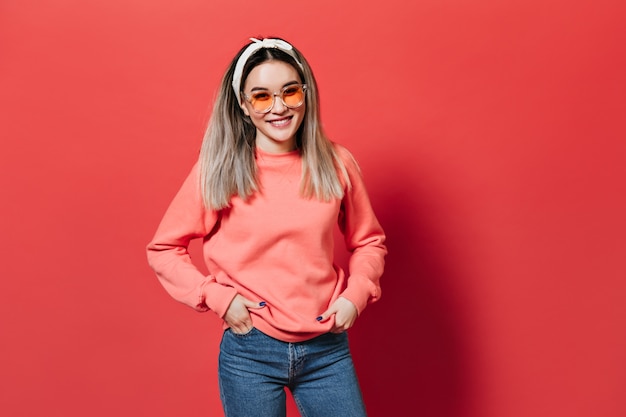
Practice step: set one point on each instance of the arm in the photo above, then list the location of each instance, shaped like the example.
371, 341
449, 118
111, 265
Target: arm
187, 219
364, 238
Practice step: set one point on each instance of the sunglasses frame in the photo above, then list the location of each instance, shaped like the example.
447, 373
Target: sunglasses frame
280, 95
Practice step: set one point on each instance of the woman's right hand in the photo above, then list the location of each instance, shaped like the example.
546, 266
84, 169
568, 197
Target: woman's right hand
237, 316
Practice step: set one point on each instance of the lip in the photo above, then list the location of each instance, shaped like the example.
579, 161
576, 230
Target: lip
280, 122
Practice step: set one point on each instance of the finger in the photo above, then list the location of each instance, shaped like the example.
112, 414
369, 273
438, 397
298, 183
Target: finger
253, 304
259, 305
340, 325
338, 328
241, 329
240, 324
325, 315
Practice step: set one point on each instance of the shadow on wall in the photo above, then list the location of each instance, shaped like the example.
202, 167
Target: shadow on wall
408, 348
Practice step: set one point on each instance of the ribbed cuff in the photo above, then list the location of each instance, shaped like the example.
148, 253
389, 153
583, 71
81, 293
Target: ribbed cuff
360, 292
218, 297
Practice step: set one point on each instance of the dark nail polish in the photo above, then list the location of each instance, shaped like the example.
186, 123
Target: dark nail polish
319, 318
262, 303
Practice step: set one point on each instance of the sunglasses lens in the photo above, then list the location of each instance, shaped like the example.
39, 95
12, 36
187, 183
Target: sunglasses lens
261, 101
293, 95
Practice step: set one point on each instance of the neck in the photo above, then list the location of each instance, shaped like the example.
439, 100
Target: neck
276, 147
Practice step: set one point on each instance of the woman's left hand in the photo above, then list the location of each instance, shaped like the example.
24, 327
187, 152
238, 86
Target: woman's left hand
345, 315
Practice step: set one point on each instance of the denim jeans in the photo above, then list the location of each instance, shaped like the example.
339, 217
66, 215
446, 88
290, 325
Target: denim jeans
255, 369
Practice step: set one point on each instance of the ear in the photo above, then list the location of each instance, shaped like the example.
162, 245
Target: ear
242, 104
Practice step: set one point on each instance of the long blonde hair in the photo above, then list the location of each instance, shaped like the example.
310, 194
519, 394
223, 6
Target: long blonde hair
227, 165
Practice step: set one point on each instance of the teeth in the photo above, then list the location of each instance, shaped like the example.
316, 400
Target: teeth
280, 122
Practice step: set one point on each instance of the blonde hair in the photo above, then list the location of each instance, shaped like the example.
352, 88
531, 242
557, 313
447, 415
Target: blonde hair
227, 165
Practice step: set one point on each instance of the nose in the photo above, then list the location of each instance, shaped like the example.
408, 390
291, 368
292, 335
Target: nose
279, 106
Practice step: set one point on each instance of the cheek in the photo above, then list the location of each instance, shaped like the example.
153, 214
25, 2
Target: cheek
257, 120
301, 116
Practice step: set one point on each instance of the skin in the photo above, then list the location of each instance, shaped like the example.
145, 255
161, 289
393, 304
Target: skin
276, 133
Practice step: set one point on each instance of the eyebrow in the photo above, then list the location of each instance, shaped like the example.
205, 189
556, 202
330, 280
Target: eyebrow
267, 89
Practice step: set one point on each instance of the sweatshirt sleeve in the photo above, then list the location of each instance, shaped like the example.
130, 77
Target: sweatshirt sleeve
168, 255
364, 238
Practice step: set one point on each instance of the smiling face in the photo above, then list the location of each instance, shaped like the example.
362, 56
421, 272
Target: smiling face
276, 129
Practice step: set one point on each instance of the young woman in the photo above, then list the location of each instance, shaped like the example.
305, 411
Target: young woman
265, 196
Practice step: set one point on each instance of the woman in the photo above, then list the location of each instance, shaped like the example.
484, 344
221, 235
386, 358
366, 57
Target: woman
265, 195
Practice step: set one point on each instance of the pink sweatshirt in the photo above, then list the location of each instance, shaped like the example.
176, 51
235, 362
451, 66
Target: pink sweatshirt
276, 247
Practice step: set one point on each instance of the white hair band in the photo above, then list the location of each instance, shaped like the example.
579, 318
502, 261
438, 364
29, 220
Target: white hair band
251, 49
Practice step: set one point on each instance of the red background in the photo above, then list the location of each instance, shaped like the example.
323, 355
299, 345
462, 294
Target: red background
492, 139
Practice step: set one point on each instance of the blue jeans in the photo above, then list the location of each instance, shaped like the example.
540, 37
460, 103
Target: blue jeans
255, 369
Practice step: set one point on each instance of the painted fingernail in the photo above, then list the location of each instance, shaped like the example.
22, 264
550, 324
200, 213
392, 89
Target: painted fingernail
262, 303
319, 318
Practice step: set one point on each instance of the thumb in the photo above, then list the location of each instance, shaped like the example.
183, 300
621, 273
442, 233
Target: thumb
253, 304
326, 315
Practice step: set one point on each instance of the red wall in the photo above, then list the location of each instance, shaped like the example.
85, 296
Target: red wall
492, 139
